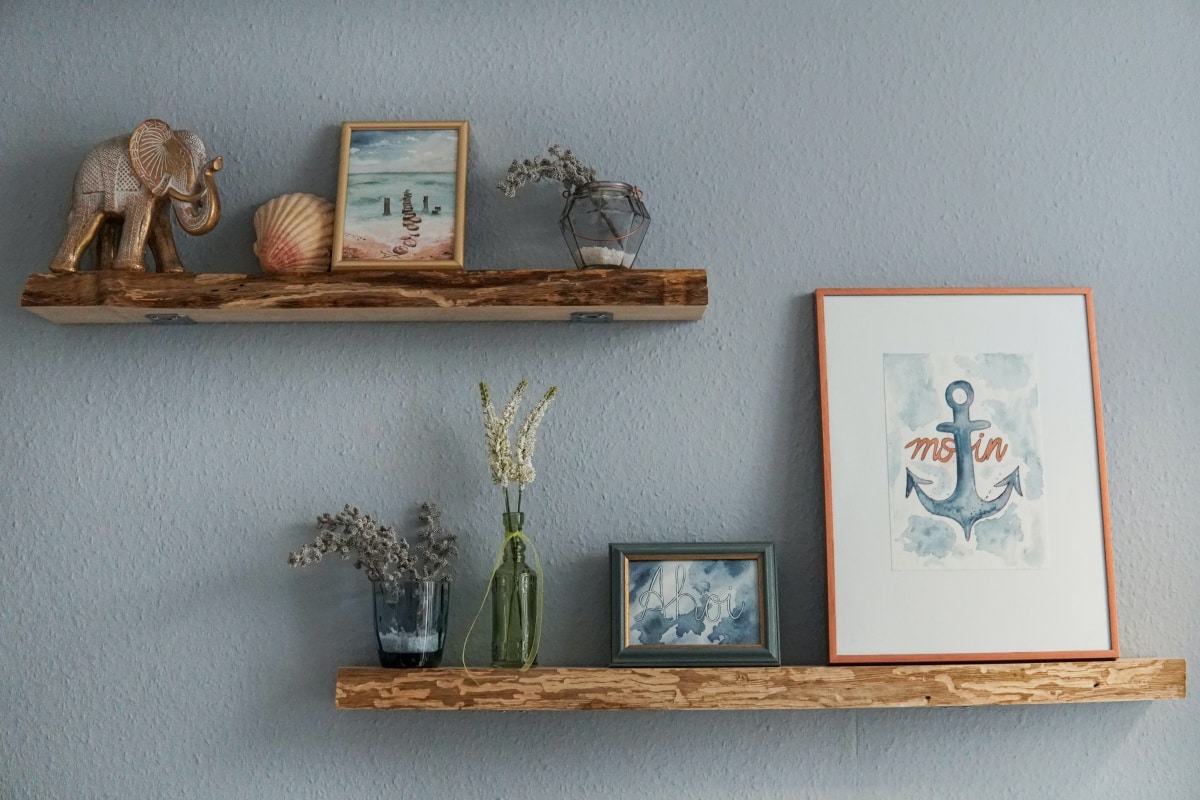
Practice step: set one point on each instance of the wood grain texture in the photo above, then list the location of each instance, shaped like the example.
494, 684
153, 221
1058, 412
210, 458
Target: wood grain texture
425, 296
762, 688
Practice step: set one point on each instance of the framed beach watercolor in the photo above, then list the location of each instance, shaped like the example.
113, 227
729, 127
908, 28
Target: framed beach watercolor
694, 604
966, 505
401, 196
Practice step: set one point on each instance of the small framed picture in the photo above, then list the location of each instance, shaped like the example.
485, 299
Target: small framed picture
966, 503
694, 604
401, 196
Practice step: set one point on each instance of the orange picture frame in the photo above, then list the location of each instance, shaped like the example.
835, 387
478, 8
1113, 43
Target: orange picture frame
966, 498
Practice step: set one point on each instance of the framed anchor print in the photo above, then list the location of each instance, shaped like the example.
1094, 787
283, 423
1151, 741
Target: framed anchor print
401, 196
694, 604
966, 502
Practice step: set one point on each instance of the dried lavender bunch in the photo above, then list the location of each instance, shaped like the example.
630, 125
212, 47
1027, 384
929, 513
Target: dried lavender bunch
565, 167
376, 548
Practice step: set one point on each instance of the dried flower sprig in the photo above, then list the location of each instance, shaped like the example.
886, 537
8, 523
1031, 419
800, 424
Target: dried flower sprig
377, 550
508, 465
436, 547
374, 547
565, 167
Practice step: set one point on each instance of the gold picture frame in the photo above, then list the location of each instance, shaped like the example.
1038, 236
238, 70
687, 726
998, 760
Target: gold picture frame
401, 197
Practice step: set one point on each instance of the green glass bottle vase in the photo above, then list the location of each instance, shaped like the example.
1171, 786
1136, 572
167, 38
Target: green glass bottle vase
514, 602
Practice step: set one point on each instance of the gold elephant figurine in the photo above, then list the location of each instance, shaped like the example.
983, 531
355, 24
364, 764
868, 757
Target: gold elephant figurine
121, 192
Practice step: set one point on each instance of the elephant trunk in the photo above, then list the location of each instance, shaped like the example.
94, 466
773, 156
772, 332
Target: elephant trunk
199, 213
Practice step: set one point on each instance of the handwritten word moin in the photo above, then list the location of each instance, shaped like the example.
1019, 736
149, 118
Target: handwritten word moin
943, 450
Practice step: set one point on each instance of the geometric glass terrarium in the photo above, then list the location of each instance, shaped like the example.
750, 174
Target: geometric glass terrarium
604, 224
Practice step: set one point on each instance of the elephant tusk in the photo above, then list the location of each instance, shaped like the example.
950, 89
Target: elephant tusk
213, 167
200, 213
184, 198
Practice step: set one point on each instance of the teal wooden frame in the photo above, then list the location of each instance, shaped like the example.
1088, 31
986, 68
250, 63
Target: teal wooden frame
764, 653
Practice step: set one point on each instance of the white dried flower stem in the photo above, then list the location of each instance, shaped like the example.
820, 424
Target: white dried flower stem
506, 465
527, 440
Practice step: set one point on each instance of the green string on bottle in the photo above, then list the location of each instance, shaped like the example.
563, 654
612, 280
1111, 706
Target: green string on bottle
509, 537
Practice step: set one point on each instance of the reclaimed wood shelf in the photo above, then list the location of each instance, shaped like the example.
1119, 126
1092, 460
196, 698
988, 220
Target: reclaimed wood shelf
401, 296
761, 688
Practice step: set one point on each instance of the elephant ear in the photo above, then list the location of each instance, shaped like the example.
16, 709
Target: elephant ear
159, 158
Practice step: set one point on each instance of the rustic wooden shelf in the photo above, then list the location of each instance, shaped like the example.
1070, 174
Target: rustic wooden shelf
762, 688
410, 296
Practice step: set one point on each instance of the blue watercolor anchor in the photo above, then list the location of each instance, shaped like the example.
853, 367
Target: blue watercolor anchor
964, 505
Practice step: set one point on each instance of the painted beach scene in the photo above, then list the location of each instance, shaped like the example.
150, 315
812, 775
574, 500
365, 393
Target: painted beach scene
701, 602
400, 196
966, 484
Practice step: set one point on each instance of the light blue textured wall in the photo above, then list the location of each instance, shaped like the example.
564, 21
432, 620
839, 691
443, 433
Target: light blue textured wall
153, 642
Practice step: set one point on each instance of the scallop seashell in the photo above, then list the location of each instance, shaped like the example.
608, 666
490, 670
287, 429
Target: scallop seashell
295, 234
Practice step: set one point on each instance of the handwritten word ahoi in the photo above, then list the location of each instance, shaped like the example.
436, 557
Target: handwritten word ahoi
708, 606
